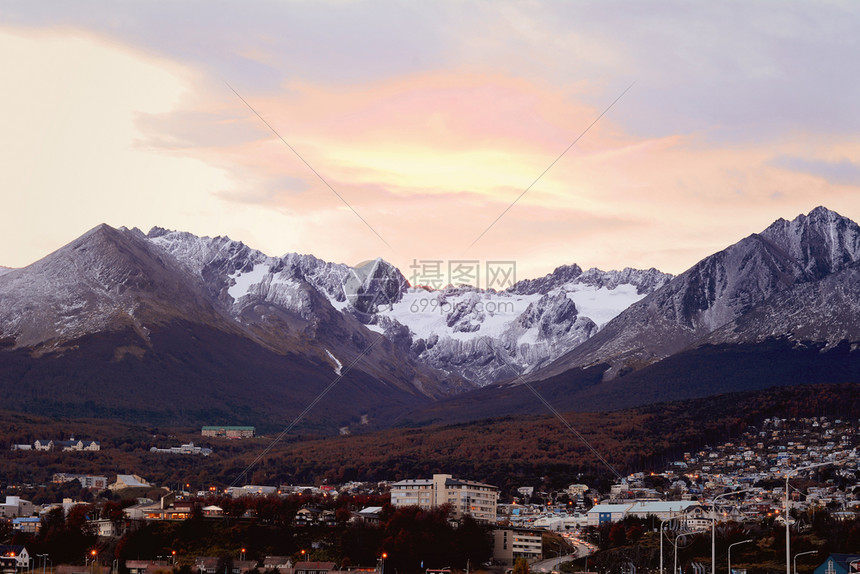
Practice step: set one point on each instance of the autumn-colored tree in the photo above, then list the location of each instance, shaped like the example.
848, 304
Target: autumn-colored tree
617, 535
521, 566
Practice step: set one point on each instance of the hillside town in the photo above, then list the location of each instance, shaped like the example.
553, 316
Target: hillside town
740, 481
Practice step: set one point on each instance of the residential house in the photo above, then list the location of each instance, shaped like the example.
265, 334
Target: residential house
370, 515
307, 516
212, 511
19, 553
307, 567
839, 564
277, 563
27, 524
108, 528
77, 445
209, 565
146, 566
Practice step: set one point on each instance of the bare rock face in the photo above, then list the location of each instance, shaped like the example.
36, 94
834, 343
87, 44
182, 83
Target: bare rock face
721, 289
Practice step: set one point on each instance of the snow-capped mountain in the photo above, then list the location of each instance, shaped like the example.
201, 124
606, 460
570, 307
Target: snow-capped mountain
479, 335
118, 319
123, 319
129, 296
722, 288
486, 336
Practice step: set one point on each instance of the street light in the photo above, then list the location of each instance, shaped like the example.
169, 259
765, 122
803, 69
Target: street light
662, 522
730, 552
801, 554
675, 567
384, 556
786, 517
242, 554
714, 526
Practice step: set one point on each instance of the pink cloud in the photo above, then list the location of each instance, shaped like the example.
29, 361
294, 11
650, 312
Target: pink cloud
431, 160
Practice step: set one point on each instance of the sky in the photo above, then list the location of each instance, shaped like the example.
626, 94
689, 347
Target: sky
609, 134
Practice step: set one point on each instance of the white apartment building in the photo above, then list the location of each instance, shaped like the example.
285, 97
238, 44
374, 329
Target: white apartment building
464, 496
511, 543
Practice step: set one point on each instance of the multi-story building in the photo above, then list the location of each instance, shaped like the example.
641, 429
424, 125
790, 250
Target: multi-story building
512, 543
16, 506
464, 496
86, 480
228, 431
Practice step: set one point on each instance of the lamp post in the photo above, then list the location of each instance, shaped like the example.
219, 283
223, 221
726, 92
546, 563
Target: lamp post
801, 554
730, 552
662, 522
241, 554
90, 560
384, 556
786, 517
675, 567
714, 526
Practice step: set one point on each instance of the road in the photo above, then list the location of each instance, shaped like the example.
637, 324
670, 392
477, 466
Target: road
551, 564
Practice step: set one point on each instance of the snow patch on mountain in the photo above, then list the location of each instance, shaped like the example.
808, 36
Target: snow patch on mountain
242, 282
486, 336
602, 304
337, 369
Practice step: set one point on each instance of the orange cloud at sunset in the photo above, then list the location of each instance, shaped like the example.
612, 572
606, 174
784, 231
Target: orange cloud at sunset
429, 129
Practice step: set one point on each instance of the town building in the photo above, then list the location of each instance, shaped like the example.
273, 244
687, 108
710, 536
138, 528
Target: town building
66, 445
511, 543
27, 524
839, 564
16, 506
210, 564
465, 496
127, 481
228, 431
19, 553
144, 566
87, 481
602, 513
368, 515
184, 449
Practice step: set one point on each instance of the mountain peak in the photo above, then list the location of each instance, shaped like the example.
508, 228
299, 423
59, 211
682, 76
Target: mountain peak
821, 242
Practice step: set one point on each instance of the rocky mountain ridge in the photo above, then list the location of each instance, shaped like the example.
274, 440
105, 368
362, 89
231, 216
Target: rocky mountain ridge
723, 288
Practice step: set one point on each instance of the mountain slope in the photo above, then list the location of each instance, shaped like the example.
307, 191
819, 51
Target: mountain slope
115, 323
718, 290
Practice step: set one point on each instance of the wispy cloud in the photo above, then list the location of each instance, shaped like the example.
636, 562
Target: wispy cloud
430, 119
